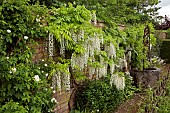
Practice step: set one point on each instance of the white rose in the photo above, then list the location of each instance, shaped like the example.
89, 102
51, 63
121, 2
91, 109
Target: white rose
54, 100
14, 69
46, 74
10, 71
42, 71
36, 77
45, 65
54, 91
42, 60
8, 31
25, 37
37, 20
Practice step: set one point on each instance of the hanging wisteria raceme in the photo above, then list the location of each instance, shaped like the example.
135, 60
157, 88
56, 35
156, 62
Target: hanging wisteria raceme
50, 44
61, 80
110, 49
90, 46
111, 52
78, 61
112, 68
91, 69
56, 81
62, 46
118, 81
103, 69
66, 80
96, 43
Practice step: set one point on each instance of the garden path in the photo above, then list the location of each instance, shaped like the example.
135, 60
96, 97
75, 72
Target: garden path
132, 105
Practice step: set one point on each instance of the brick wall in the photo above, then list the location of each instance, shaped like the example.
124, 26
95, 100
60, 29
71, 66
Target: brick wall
40, 52
63, 99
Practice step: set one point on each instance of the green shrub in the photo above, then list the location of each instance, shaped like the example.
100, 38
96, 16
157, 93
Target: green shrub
164, 51
98, 96
164, 106
168, 34
13, 107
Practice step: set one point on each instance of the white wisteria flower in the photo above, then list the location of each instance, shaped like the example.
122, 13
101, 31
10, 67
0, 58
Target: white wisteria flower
42, 71
54, 100
45, 65
26, 37
36, 77
54, 91
46, 74
8, 31
42, 60
7, 57
51, 87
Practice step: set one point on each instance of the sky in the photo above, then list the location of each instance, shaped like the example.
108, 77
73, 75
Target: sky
165, 10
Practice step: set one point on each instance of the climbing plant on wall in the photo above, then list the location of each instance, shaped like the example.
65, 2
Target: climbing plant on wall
91, 50
23, 87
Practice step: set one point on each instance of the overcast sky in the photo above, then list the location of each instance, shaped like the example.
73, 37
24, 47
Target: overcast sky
165, 10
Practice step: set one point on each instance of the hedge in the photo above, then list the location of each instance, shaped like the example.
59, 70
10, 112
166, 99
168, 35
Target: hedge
165, 50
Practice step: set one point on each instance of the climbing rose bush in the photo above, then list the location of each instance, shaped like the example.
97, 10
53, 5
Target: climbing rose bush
24, 88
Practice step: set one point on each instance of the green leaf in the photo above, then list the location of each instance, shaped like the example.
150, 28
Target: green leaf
37, 71
9, 87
